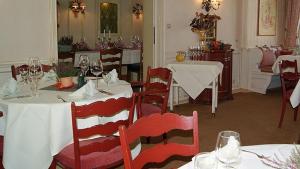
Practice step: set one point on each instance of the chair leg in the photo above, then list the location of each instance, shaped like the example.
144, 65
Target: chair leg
53, 165
295, 113
282, 112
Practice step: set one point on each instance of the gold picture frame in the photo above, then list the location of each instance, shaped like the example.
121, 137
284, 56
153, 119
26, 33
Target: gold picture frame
267, 17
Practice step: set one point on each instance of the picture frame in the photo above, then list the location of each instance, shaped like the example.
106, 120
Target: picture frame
109, 17
267, 17
212, 33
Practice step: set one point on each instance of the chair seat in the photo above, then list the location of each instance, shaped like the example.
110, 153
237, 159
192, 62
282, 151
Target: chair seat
148, 109
100, 159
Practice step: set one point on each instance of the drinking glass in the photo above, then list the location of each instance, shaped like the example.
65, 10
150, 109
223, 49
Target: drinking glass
24, 74
35, 73
205, 160
84, 64
228, 148
97, 69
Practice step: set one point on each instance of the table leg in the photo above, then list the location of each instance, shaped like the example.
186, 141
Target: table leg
171, 97
213, 96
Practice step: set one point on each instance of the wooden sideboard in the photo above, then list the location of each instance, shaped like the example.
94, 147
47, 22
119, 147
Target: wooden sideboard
225, 84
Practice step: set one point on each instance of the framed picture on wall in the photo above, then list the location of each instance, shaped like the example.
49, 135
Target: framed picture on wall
109, 17
267, 16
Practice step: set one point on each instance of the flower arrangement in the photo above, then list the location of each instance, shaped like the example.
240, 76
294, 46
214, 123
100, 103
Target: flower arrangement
204, 22
292, 162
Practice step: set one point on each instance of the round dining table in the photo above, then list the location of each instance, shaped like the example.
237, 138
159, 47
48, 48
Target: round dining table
250, 160
35, 128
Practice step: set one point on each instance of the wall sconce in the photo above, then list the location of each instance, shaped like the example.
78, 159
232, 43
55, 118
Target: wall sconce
137, 10
207, 5
77, 6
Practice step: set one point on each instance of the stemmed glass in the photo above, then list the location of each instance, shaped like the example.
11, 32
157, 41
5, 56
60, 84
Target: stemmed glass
97, 69
84, 64
35, 73
228, 148
24, 73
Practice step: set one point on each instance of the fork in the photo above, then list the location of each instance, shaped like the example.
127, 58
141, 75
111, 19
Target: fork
260, 156
59, 97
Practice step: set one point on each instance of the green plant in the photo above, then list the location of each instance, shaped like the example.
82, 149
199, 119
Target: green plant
66, 69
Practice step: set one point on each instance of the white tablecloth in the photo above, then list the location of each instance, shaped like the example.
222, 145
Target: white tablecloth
275, 66
295, 97
37, 128
251, 161
130, 56
195, 76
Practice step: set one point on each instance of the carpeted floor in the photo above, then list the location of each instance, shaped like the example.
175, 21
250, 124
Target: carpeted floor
254, 116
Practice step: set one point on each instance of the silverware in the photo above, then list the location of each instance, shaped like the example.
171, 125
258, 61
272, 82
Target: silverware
62, 99
105, 92
15, 97
258, 155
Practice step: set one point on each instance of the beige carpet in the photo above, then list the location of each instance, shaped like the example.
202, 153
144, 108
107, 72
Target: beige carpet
253, 115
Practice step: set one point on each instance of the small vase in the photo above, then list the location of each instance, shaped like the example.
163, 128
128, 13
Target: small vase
66, 81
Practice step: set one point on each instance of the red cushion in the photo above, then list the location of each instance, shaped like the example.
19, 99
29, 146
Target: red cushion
148, 109
268, 58
94, 160
267, 69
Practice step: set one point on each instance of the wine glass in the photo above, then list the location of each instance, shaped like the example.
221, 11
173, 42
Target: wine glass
35, 73
84, 64
228, 148
24, 73
97, 69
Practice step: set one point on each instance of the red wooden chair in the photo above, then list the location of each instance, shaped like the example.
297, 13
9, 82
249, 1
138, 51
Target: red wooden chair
288, 80
113, 61
155, 94
16, 70
159, 152
100, 152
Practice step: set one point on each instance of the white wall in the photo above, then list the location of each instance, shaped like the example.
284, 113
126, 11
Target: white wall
27, 30
86, 25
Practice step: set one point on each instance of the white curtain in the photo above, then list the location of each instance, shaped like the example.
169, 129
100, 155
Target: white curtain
28, 29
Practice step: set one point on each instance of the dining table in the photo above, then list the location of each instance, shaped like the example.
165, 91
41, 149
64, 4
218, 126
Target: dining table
251, 156
35, 128
195, 76
130, 56
275, 67
295, 96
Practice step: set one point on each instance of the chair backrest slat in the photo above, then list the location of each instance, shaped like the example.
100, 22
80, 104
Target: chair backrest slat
145, 127
106, 109
105, 146
104, 130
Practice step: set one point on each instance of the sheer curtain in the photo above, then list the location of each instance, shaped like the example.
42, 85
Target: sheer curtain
292, 19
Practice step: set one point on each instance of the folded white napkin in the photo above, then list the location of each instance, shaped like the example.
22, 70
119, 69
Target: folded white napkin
111, 77
89, 89
204, 161
231, 151
9, 88
50, 76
